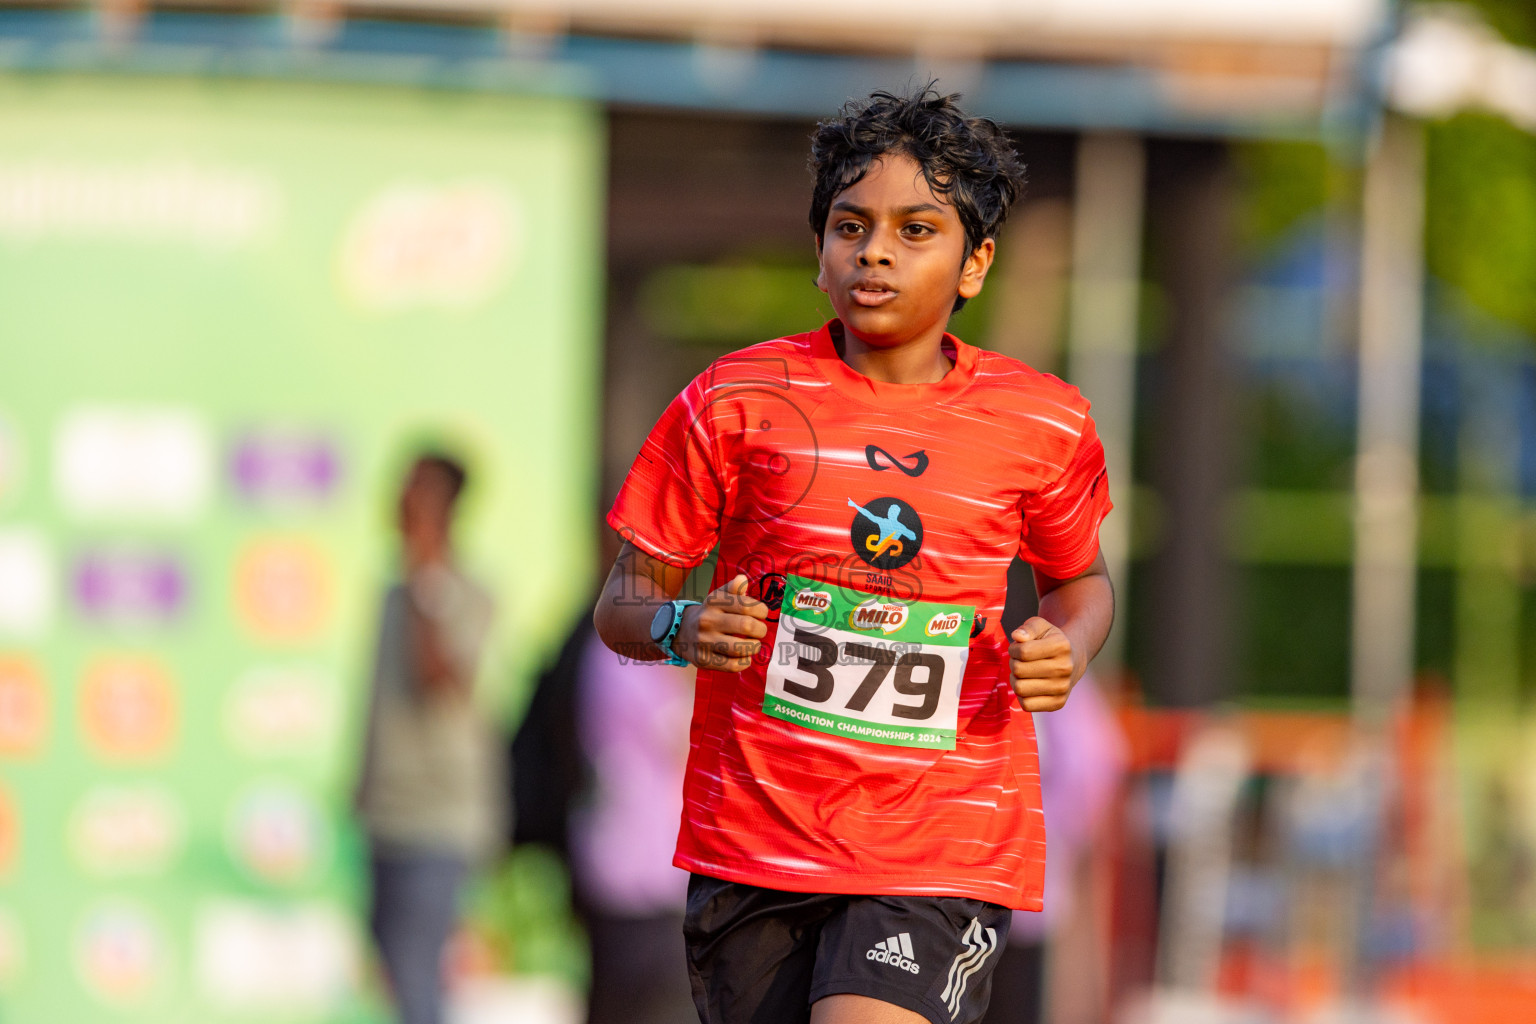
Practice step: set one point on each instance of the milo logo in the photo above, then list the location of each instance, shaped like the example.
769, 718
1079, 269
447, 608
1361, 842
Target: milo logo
879, 615
812, 601
944, 624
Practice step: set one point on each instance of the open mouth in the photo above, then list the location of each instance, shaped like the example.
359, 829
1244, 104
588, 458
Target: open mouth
872, 294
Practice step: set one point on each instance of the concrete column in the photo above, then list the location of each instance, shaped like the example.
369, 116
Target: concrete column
1101, 338
1387, 465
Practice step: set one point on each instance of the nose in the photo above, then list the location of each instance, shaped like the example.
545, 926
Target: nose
877, 250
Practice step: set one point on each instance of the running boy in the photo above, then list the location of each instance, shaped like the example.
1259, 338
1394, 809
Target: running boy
862, 801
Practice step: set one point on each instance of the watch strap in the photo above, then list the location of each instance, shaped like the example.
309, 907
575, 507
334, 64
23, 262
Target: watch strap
665, 643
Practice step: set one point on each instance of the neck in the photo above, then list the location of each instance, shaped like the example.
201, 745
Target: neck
919, 361
424, 551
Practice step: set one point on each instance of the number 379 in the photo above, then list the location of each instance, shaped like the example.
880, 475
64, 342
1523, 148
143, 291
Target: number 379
883, 662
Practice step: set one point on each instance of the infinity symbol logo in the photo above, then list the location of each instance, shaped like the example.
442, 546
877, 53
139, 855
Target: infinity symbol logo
874, 452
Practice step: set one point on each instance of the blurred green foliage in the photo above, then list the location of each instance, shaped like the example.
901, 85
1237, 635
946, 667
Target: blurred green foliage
1481, 215
728, 305
523, 910
1481, 230
1281, 185
1515, 20
1292, 643
1294, 443
1480, 212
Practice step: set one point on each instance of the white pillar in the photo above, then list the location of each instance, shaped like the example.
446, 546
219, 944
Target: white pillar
1386, 470
1101, 341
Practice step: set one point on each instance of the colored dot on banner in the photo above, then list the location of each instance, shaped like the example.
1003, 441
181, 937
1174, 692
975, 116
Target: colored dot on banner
283, 589
127, 830
262, 961
13, 950
281, 710
448, 245
23, 707
10, 462
10, 834
119, 953
136, 463
274, 466
26, 582
128, 707
275, 832
129, 587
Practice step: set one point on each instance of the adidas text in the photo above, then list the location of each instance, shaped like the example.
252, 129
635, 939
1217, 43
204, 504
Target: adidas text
896, 951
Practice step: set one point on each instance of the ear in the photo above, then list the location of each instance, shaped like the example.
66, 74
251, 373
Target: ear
821, 270
973, 272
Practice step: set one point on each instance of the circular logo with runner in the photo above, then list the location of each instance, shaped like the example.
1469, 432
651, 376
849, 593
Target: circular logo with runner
886, 532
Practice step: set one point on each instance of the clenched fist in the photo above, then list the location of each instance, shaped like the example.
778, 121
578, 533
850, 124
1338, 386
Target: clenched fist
726, 630
1040, 665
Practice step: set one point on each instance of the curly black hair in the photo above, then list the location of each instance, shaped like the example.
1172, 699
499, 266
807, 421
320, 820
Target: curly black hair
967, 160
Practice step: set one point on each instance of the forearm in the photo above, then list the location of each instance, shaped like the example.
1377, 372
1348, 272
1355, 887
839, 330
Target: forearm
722, 632
1083, 608
635, 587
625, 627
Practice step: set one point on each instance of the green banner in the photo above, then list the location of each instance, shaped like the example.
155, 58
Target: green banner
228, 313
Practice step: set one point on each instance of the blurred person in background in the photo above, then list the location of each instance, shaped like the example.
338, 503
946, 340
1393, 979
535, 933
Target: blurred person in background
1083, 761
598, 776
427, 792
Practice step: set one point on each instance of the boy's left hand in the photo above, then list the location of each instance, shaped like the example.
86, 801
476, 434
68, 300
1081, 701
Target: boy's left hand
1040, 665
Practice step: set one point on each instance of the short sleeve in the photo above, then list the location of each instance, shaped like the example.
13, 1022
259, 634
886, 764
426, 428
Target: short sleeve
672, 500
1060, 531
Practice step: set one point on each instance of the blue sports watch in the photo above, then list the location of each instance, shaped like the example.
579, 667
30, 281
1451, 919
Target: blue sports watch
664, 627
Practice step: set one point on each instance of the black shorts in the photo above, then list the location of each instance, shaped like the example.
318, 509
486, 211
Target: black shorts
761, 956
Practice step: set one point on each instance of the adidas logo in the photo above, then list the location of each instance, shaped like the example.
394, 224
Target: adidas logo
896, 951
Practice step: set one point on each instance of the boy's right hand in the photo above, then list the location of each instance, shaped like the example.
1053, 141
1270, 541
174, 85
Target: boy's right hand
726, 630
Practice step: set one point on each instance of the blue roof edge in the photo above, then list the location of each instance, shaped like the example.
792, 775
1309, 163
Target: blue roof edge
679, 75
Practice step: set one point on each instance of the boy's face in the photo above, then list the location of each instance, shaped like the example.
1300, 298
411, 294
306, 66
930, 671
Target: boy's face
893, 256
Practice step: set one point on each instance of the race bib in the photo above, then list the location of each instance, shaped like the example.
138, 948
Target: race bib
868, 667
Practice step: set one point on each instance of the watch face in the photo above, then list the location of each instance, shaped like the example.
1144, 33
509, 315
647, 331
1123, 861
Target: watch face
661, 625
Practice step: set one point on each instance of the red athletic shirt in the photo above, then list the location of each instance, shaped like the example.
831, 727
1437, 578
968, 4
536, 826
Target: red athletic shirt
890, 511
